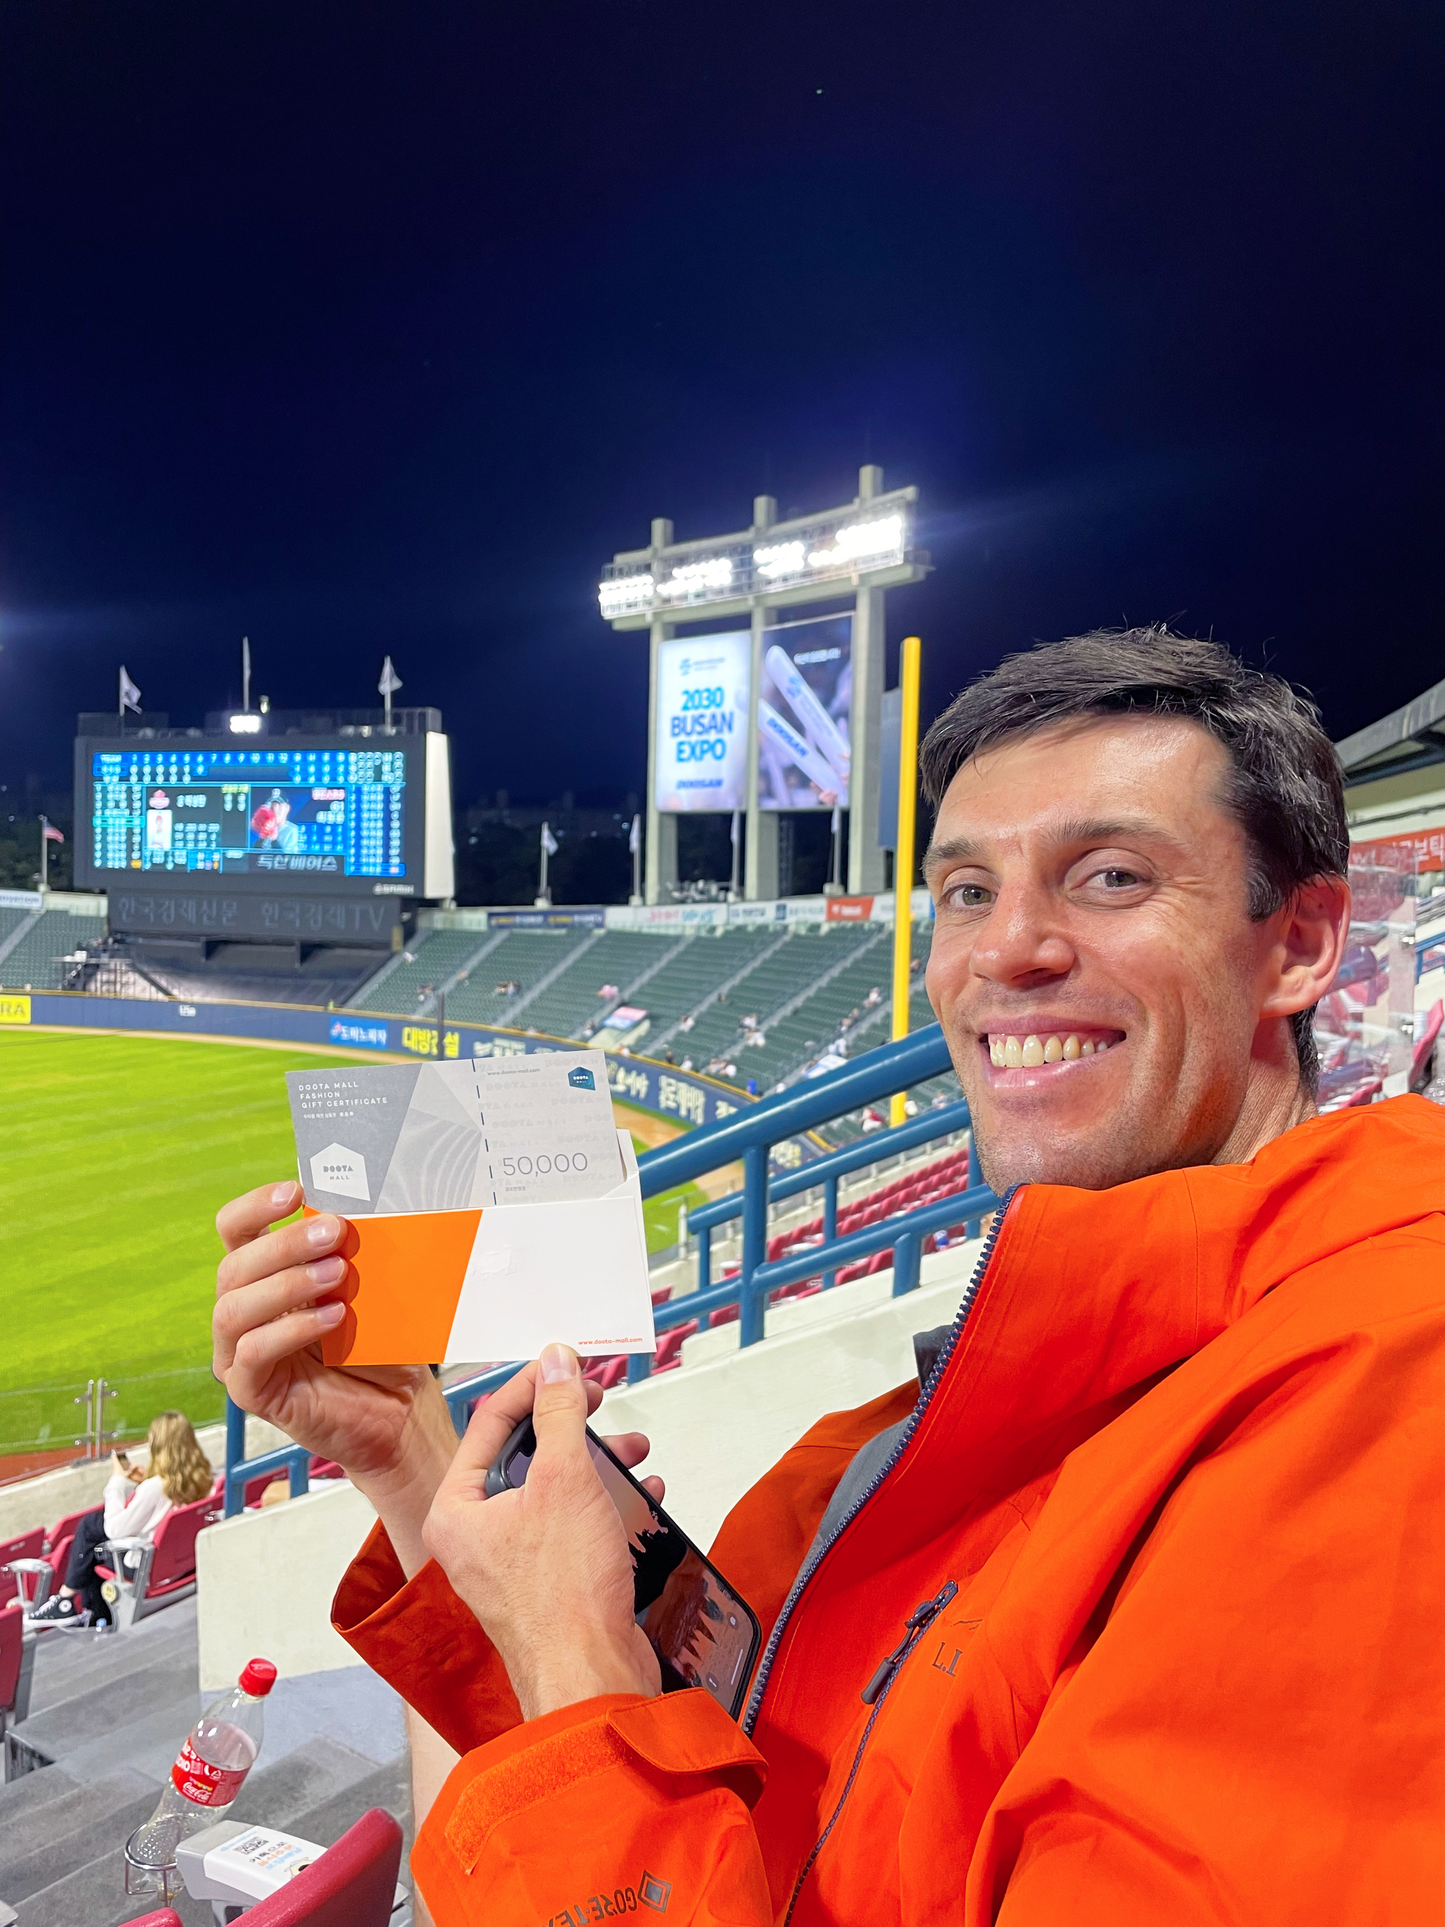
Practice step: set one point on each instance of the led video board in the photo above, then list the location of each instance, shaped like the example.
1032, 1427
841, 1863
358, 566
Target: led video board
701, 751
805, 715
327, 816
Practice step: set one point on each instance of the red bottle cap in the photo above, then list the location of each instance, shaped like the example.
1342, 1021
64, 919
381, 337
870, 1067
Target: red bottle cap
258, 1678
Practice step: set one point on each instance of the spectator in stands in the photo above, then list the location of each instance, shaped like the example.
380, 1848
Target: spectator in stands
1130, 1613
134, 1504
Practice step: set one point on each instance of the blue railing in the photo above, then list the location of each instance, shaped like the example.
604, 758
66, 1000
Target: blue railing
751, 1136
292, 1459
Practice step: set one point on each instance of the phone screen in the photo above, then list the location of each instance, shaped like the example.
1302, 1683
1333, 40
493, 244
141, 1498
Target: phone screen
702, 1632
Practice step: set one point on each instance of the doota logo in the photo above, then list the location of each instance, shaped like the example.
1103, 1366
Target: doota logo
582, 1079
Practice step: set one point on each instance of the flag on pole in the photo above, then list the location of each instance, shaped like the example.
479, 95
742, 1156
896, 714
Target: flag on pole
549, 842
50, 833
129, 694
634, 836
390, 681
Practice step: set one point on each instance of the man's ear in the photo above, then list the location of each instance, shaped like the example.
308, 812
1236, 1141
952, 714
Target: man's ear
1309, 946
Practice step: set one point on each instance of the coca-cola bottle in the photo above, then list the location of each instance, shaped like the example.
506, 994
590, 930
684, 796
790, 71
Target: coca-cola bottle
204, 1782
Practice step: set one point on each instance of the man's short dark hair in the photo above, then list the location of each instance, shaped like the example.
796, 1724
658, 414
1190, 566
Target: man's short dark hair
1285, 788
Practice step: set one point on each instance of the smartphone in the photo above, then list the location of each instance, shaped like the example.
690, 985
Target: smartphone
703, 1633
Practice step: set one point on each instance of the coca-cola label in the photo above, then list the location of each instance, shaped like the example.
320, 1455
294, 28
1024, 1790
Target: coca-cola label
206, 1785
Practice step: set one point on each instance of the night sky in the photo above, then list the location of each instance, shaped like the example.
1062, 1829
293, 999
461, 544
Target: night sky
369, 328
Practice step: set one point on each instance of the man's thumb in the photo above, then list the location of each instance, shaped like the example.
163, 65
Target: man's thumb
559, 1408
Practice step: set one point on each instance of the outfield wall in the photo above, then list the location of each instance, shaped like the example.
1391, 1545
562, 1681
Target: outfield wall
687, 1096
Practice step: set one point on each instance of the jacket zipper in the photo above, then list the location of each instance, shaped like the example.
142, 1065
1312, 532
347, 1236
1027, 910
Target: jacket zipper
873, 1695
755, 1699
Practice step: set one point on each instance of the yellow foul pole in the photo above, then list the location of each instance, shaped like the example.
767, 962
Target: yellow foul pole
903, 854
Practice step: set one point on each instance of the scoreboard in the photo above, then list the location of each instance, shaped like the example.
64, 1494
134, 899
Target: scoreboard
318, 817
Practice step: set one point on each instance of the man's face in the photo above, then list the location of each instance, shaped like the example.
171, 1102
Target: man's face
1094, 964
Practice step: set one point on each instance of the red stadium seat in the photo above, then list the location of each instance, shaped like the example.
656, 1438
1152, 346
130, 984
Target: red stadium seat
352, 1884
25, 1545
669, 1353
165, 1570
12, 1638
65, 1528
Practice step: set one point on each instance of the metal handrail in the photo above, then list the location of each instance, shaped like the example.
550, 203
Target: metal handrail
905, 1233
873, 1149
877, 1073
293, 1459
826, 1171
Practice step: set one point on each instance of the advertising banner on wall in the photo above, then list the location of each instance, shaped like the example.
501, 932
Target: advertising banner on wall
805, 715
702, 722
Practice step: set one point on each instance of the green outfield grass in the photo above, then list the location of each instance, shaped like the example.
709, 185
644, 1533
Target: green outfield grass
115, 1153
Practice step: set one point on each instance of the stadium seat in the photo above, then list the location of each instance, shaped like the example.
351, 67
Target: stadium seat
165, 1570
12, 1653
352, 1884
25, 1545
36, 1578
669, 1353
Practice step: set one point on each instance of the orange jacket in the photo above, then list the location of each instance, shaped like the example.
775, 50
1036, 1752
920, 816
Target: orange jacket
1175, 1493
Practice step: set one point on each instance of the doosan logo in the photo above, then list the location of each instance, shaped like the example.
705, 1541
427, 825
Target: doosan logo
581, 1079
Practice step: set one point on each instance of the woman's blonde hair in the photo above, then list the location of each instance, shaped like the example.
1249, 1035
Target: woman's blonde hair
177, 1459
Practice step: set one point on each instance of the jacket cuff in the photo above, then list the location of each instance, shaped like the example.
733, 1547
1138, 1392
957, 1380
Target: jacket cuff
422, 1640
684, 1735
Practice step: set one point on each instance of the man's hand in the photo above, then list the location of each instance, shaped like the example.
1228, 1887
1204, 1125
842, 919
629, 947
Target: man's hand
277, 1295
546, 1569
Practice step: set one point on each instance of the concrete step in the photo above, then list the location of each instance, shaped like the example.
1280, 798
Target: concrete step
93, 1895
387, 1786
305, 1781
67, 1663
37, 1845
321, 1785
164, 1691
31, 1792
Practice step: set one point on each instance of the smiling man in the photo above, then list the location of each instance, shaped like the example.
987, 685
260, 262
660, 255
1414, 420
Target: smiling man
1131, 1610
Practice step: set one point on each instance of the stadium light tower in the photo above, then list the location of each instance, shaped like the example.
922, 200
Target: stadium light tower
753, 704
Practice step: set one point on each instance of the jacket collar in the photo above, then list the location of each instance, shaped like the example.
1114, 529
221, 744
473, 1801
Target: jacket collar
1091, 1296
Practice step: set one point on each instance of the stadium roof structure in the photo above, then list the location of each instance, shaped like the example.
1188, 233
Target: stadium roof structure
1409, 738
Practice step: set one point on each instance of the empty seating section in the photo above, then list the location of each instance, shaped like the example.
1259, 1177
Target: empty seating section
816, 1024
11, 920
523, 958
778, 975
692, 974
434, 956
570, 1002
33, 961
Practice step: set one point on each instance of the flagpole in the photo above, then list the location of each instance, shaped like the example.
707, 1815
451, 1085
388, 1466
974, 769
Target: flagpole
44, 855
737, 851
246, 674
634, 843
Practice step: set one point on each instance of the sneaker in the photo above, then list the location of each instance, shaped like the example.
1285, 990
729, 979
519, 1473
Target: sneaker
62, 1610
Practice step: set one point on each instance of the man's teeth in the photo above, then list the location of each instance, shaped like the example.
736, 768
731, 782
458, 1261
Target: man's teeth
1023, 1053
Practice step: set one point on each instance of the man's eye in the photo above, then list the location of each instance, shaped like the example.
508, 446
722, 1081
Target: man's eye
1119, 879
971, 896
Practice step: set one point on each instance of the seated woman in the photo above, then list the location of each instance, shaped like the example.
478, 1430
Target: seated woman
135, 1503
